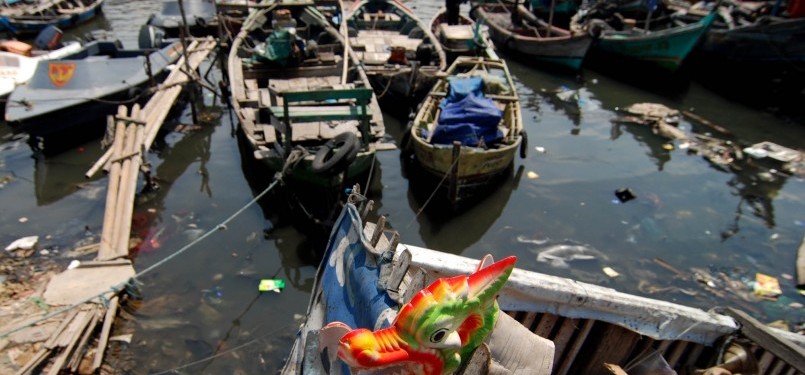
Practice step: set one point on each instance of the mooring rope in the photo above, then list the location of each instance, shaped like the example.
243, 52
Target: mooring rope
216, 355
434, 192
117, 288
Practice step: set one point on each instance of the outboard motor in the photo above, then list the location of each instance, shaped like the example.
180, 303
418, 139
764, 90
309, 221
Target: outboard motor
49, 38
150, 37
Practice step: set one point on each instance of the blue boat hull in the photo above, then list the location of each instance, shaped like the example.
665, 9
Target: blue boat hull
33, 25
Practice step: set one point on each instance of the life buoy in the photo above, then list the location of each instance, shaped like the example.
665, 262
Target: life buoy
336, 154
523, 144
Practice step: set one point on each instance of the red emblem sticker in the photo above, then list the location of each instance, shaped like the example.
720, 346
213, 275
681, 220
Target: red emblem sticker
61, 73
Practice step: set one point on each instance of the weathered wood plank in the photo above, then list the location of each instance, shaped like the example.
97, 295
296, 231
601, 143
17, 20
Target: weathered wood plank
614, 345
546, 324
801, 264
573, 351
108, 318
563, 336
789, 352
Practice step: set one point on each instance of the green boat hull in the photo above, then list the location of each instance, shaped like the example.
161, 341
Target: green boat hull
666, 49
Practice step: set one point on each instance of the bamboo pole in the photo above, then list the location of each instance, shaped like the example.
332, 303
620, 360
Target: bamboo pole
345, 32
120, 206
112, 190
550, 17
130, 190
104, 337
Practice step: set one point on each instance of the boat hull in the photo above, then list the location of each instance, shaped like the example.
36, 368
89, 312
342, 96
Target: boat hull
666, 49
376, 27
468, 168
365, 275
561, 49
323, 102
31, 24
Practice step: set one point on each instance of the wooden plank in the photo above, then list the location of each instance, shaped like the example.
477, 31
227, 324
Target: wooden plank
51, 343
546, 324
573, 350
614, 345
563, 336
82, 344
34, 362
676, 353
801, 264
73, 339
318, 113
528, 320
111, 312
692, 357
789, 352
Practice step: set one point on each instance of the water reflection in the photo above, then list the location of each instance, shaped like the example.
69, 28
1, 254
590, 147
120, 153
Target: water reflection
56, 178
454, 230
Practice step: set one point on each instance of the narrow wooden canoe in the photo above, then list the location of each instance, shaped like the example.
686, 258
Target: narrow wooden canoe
664, 45
565, 326
534, 38
399, 52
26, 18
299, 93
469, 167
465, 38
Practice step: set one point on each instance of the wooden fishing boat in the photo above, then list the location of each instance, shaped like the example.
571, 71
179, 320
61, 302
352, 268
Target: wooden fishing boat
400, 54
465, 38
545, 325
67, 101
746, 38
26, 18
18, 60
662, 41
199, 15
532, 37
303, 104
469, 127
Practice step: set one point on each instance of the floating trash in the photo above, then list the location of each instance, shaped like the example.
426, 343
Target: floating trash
767, 286
271, 285
558, 255
532, 175
624, 194
535, 241
23, 243
610, 272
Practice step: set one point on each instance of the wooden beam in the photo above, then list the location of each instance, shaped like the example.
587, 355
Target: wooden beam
781, 347
801, 264
104, 337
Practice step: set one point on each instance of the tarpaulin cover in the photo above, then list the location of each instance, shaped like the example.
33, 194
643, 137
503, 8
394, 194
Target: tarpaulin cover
470, 117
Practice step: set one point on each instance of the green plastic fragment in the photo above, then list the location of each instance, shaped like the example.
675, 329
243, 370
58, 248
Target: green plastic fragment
271, 285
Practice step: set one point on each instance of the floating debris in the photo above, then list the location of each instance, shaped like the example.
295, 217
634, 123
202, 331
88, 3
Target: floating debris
271, 285
558, 255
767, 286
24, 243
610, 272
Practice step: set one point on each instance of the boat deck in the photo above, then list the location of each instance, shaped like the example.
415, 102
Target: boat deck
373, 46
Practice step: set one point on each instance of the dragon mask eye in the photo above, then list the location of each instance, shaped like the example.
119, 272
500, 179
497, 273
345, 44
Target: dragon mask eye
438, 336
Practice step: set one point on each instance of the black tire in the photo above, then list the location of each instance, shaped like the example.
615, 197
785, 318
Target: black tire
417, 33
523, 144
336, 154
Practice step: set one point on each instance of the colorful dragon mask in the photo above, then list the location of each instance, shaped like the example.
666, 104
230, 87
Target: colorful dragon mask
442, 324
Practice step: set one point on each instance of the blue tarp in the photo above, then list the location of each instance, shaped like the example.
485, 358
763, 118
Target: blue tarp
467, 116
